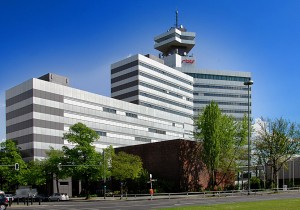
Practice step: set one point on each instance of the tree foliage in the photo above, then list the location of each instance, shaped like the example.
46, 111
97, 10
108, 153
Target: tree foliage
222, 141
36, 174
126, 166
52, 163
9, 155
83, 156
277, 141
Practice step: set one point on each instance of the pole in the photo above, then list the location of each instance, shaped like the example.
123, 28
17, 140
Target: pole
104, 177
248, 139
248, 83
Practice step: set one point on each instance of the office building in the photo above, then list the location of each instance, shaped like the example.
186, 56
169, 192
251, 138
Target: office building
153, 99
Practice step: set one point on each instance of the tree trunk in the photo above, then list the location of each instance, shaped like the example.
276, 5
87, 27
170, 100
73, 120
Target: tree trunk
87, 188
275, 171
57, 187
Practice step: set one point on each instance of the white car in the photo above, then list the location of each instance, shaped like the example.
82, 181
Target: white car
59, 197
10, 197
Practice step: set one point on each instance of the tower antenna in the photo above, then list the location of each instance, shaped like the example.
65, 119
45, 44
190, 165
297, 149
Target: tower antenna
176, 18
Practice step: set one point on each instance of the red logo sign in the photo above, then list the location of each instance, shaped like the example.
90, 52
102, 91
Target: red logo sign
188, 61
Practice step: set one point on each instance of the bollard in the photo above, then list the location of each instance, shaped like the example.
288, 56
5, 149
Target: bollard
27, 201
31, 200
9, 202
39, 201
24, 199
18, 201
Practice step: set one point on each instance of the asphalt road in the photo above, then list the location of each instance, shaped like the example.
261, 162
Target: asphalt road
156, 203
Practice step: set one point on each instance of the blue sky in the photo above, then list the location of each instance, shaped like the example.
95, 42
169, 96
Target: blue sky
81, 38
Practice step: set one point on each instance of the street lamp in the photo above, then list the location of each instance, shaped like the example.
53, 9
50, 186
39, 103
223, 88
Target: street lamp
248, 83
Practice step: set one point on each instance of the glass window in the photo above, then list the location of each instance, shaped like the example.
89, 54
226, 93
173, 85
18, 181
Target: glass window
109, 110
131, 115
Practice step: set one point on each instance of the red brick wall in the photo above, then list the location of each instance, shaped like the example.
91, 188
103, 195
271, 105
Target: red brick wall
176, 160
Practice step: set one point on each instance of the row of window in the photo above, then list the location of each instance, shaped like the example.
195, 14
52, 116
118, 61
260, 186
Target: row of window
165, 82
128, 114
222, 102
227, 111
142, 139
105, 109
222, 87
176, 35
157, 131
165, 109
227, 95
162, 90
218, 77
94, 106
102, 133
166, 101
165, 73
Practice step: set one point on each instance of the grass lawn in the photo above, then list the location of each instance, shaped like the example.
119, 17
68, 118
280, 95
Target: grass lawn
283, 204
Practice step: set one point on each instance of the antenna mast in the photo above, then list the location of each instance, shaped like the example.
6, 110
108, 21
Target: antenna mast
176, 18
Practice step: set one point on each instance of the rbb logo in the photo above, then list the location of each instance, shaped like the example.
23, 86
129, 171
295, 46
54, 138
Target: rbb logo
188, 61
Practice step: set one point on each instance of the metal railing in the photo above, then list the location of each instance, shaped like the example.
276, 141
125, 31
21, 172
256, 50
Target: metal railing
204, 194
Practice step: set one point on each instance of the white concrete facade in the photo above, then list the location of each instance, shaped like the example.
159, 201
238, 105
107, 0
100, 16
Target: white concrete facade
53, 108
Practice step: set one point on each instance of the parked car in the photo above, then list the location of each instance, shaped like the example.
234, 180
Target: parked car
59, 197
10, 197
41, 197
3, 201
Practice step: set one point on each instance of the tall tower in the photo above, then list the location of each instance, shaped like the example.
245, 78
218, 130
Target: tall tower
224, 87
173, 83
174, 45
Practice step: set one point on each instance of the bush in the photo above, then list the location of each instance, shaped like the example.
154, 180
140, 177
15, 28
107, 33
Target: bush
255, 183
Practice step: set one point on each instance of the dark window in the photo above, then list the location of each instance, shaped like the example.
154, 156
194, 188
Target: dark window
64, 183
109, 110
227, 95
221, 87
131, 115
101, 133
156, 131
218, 77
142, 139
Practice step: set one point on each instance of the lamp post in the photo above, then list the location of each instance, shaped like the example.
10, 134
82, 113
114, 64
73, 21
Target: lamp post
248, 83
104, 177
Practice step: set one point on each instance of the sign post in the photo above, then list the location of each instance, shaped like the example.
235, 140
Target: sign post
151, 188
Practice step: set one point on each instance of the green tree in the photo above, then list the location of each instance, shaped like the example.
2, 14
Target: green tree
52, 165
84, 157
126, 166
106, 161
9, 155
222, 140
35, 173
276, 142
